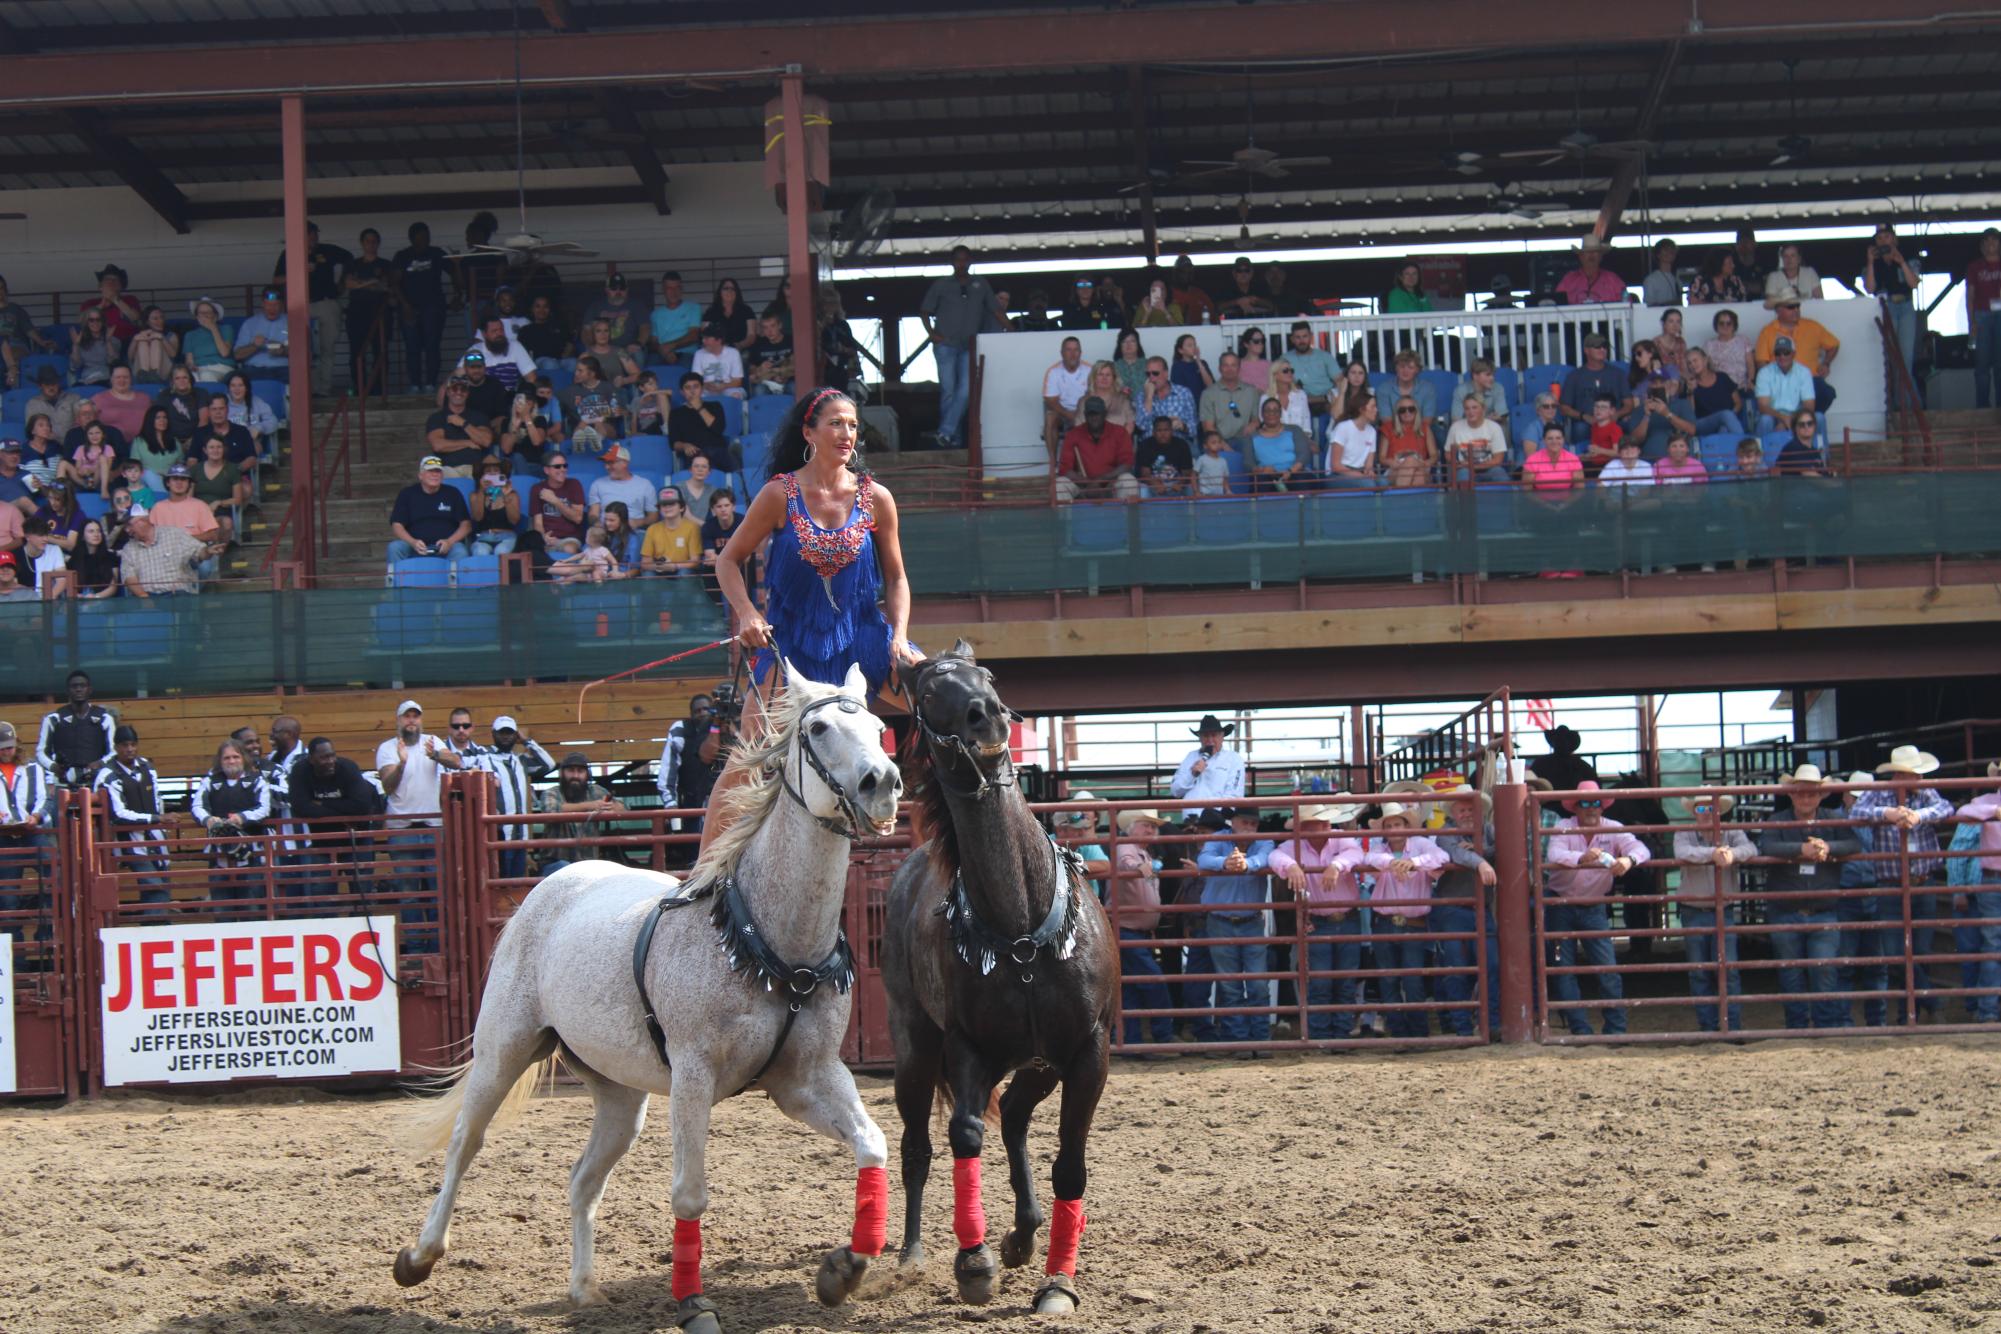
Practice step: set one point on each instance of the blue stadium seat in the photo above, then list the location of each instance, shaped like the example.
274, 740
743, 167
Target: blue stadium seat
1224, 522
525, 488
12, 428
766, 411
1511, 383
1240, 471
88, 390
1410, 512
1283, 519
1774, 443
92, 504
144, 633
1495, 511
14, 403
1383, 385
1163, 524
275, 394
421, 572
1098, 526
756, 448
479, 572
32, 364
732, 416
1442, 383
1345, 516
59, 334
1527, 430
558, 378
1538, 379
1719, 452
651, 454
584, 605
462, 485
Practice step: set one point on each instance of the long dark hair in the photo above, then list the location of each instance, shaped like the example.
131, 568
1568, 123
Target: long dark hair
715, 310
788, 446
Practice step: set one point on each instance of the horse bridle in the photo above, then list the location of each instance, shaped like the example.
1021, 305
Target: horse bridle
856, 821
946, 750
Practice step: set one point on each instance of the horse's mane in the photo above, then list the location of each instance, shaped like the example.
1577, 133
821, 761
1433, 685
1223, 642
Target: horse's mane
759, 755
928, 794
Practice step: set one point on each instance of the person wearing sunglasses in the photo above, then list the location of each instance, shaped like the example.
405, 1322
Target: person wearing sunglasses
1587, 852
1710, 879
559, 507
1162, 397
1404, 446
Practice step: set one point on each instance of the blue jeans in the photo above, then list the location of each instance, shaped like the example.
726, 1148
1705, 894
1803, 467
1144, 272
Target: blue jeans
1595, 952
1394, 953
494, 543
1814, 937
1883, 941
18, 852
1457, 988
419, 920
1987, 359
1138, 962
1986, 902
1699, 943
955, 365
1226, 956
401, 550
143, 861
1342, 952
1720, 423
1904, 323
513, 863
1194, 959
420, 342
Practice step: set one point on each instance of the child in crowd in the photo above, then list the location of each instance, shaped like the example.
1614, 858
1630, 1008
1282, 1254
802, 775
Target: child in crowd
650, 405
1606, 433
1212, 470
594, 563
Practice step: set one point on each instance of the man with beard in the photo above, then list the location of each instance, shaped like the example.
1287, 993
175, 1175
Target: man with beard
575, 793
506, 360
328, 791
77, 737
409, 765
488, 401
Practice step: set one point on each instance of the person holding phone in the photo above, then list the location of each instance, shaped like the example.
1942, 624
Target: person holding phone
1209, 772
496, 510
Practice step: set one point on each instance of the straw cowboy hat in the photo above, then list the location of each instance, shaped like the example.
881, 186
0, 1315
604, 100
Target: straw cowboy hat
1588, 785
1407, 785
1127, 819
1860, 776
1788, 295
1807, 775
1722, 801
1908, 760
1333, 812
1394, 810
1464, 790
1074, 819
1994, 768
1537, 783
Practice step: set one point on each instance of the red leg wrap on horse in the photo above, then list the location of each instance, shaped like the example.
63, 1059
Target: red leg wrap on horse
687, 1257
1066, 1230
871, 1211
969, 1216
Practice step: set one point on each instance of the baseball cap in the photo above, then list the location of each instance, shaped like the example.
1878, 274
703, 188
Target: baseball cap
137, 512
616, 280
408, 705
7, 729
180, 470
576, 759
430, 462
1781, 346
10, 445
1596, 340
6, 558
1087, 282
473, 359
505, 723
614, 453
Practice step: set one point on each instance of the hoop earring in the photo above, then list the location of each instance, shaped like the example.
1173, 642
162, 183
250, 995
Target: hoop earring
809, 451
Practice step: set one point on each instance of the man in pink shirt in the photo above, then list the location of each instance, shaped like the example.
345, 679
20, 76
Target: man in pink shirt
1590, 283
1986, 901
1405, 865
1586, 853
1320, 871
1136, 899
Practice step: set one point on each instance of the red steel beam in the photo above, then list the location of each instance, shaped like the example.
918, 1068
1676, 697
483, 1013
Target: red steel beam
298, 353
1284, 30
798, 242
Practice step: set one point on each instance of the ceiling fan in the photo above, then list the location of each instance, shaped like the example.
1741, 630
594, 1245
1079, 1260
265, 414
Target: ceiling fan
1250, 160
1580, 145
858, 232
524, 247
1794, 148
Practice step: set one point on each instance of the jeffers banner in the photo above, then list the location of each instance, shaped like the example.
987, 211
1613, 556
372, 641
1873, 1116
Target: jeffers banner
265, 1000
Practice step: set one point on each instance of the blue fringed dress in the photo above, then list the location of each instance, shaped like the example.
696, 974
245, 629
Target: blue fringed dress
822, 587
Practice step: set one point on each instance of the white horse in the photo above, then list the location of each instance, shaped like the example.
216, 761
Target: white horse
749, 983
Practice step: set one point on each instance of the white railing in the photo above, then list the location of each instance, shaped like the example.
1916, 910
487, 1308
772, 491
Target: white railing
1449, 340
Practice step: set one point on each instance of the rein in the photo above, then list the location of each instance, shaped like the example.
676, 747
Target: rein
946, 750
856, 822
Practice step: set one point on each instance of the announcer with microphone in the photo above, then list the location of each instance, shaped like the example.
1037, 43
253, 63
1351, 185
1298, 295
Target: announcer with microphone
1209, 773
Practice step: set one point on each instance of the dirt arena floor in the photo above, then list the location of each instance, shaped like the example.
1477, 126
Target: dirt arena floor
1846, 1186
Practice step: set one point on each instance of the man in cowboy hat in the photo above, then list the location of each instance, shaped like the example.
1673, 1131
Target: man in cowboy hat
1209, 772
1319, 869
1235, 888
1587, 852
1813, 342
1591, 283
1405, 864
1709, 857
1985, 902
1469, 876
1812, 847
1909, 817
1136, 909
1563, 767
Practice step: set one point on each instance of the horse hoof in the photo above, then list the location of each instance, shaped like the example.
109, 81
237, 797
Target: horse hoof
697, 1315
975, 1271
588, 1295
910, 1257
1056, 1297
840, 1274
410, 1271
1018, 1247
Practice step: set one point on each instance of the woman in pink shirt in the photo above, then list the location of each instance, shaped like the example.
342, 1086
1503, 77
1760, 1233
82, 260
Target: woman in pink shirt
1319, 869
121, 407
1405, 865
1679, 468
1986, 901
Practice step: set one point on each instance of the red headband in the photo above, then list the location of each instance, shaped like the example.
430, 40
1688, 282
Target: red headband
813, 403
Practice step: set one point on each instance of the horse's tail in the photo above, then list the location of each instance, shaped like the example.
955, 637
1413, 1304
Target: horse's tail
429, 1128
942, 1104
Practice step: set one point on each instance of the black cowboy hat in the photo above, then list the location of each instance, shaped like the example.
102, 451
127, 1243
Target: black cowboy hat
1210, 723
1562, 740
112, 269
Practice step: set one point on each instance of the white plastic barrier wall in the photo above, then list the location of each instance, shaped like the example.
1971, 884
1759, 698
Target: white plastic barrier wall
1014, 363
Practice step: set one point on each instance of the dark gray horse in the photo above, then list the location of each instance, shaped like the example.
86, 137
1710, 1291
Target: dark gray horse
996, 958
